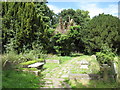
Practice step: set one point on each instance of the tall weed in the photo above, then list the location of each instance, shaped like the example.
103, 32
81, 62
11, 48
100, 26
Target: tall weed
9, 59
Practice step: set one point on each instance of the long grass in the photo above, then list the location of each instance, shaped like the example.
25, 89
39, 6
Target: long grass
18, 79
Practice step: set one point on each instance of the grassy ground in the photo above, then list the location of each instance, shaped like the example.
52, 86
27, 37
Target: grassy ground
50, 66
18, 79
93, 67
71, 62
92, 84
61, 58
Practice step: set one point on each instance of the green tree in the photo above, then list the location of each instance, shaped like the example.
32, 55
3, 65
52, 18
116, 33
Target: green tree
48, 15
68, 42
62, 44
80, 17
23, 25
75, 34
102, 29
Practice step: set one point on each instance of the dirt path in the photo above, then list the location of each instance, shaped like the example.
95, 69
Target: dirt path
55, 78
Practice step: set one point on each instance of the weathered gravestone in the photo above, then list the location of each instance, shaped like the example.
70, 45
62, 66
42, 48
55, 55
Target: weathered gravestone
84, 64
118, 75
105, 69
38, 65
52, 61
114, 71
84, 76
93, 57
37, 72
65, 76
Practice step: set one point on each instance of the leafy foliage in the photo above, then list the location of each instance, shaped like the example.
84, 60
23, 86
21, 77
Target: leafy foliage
12, 59
100, 30
106, 56
24, 24
73, 37
28, 28
69, 42
9, 60
62, 44
80, 17
76, 34
28, 33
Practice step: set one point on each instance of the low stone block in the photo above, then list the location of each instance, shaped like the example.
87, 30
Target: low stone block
84, 66
93, 56
64, 76
85, 76
36, 65
84, 62
52, 61
36, 72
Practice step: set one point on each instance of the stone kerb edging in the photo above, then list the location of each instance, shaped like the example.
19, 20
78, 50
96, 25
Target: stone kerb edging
52, 61
84, 76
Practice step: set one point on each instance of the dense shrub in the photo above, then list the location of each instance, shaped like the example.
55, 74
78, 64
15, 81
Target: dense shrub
24, 23
10, 59
106, 56
62, 46
118, 77
80, 17
76, 36
71, 41
100, 30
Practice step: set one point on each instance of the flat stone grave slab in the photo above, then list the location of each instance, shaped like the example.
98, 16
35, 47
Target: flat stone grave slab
35, 72
52, 61
84, 64
84, 76
65, 76
36, 65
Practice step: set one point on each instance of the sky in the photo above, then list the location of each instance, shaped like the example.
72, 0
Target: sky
95, 7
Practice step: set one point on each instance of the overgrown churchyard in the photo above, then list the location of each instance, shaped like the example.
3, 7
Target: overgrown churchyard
42, 49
